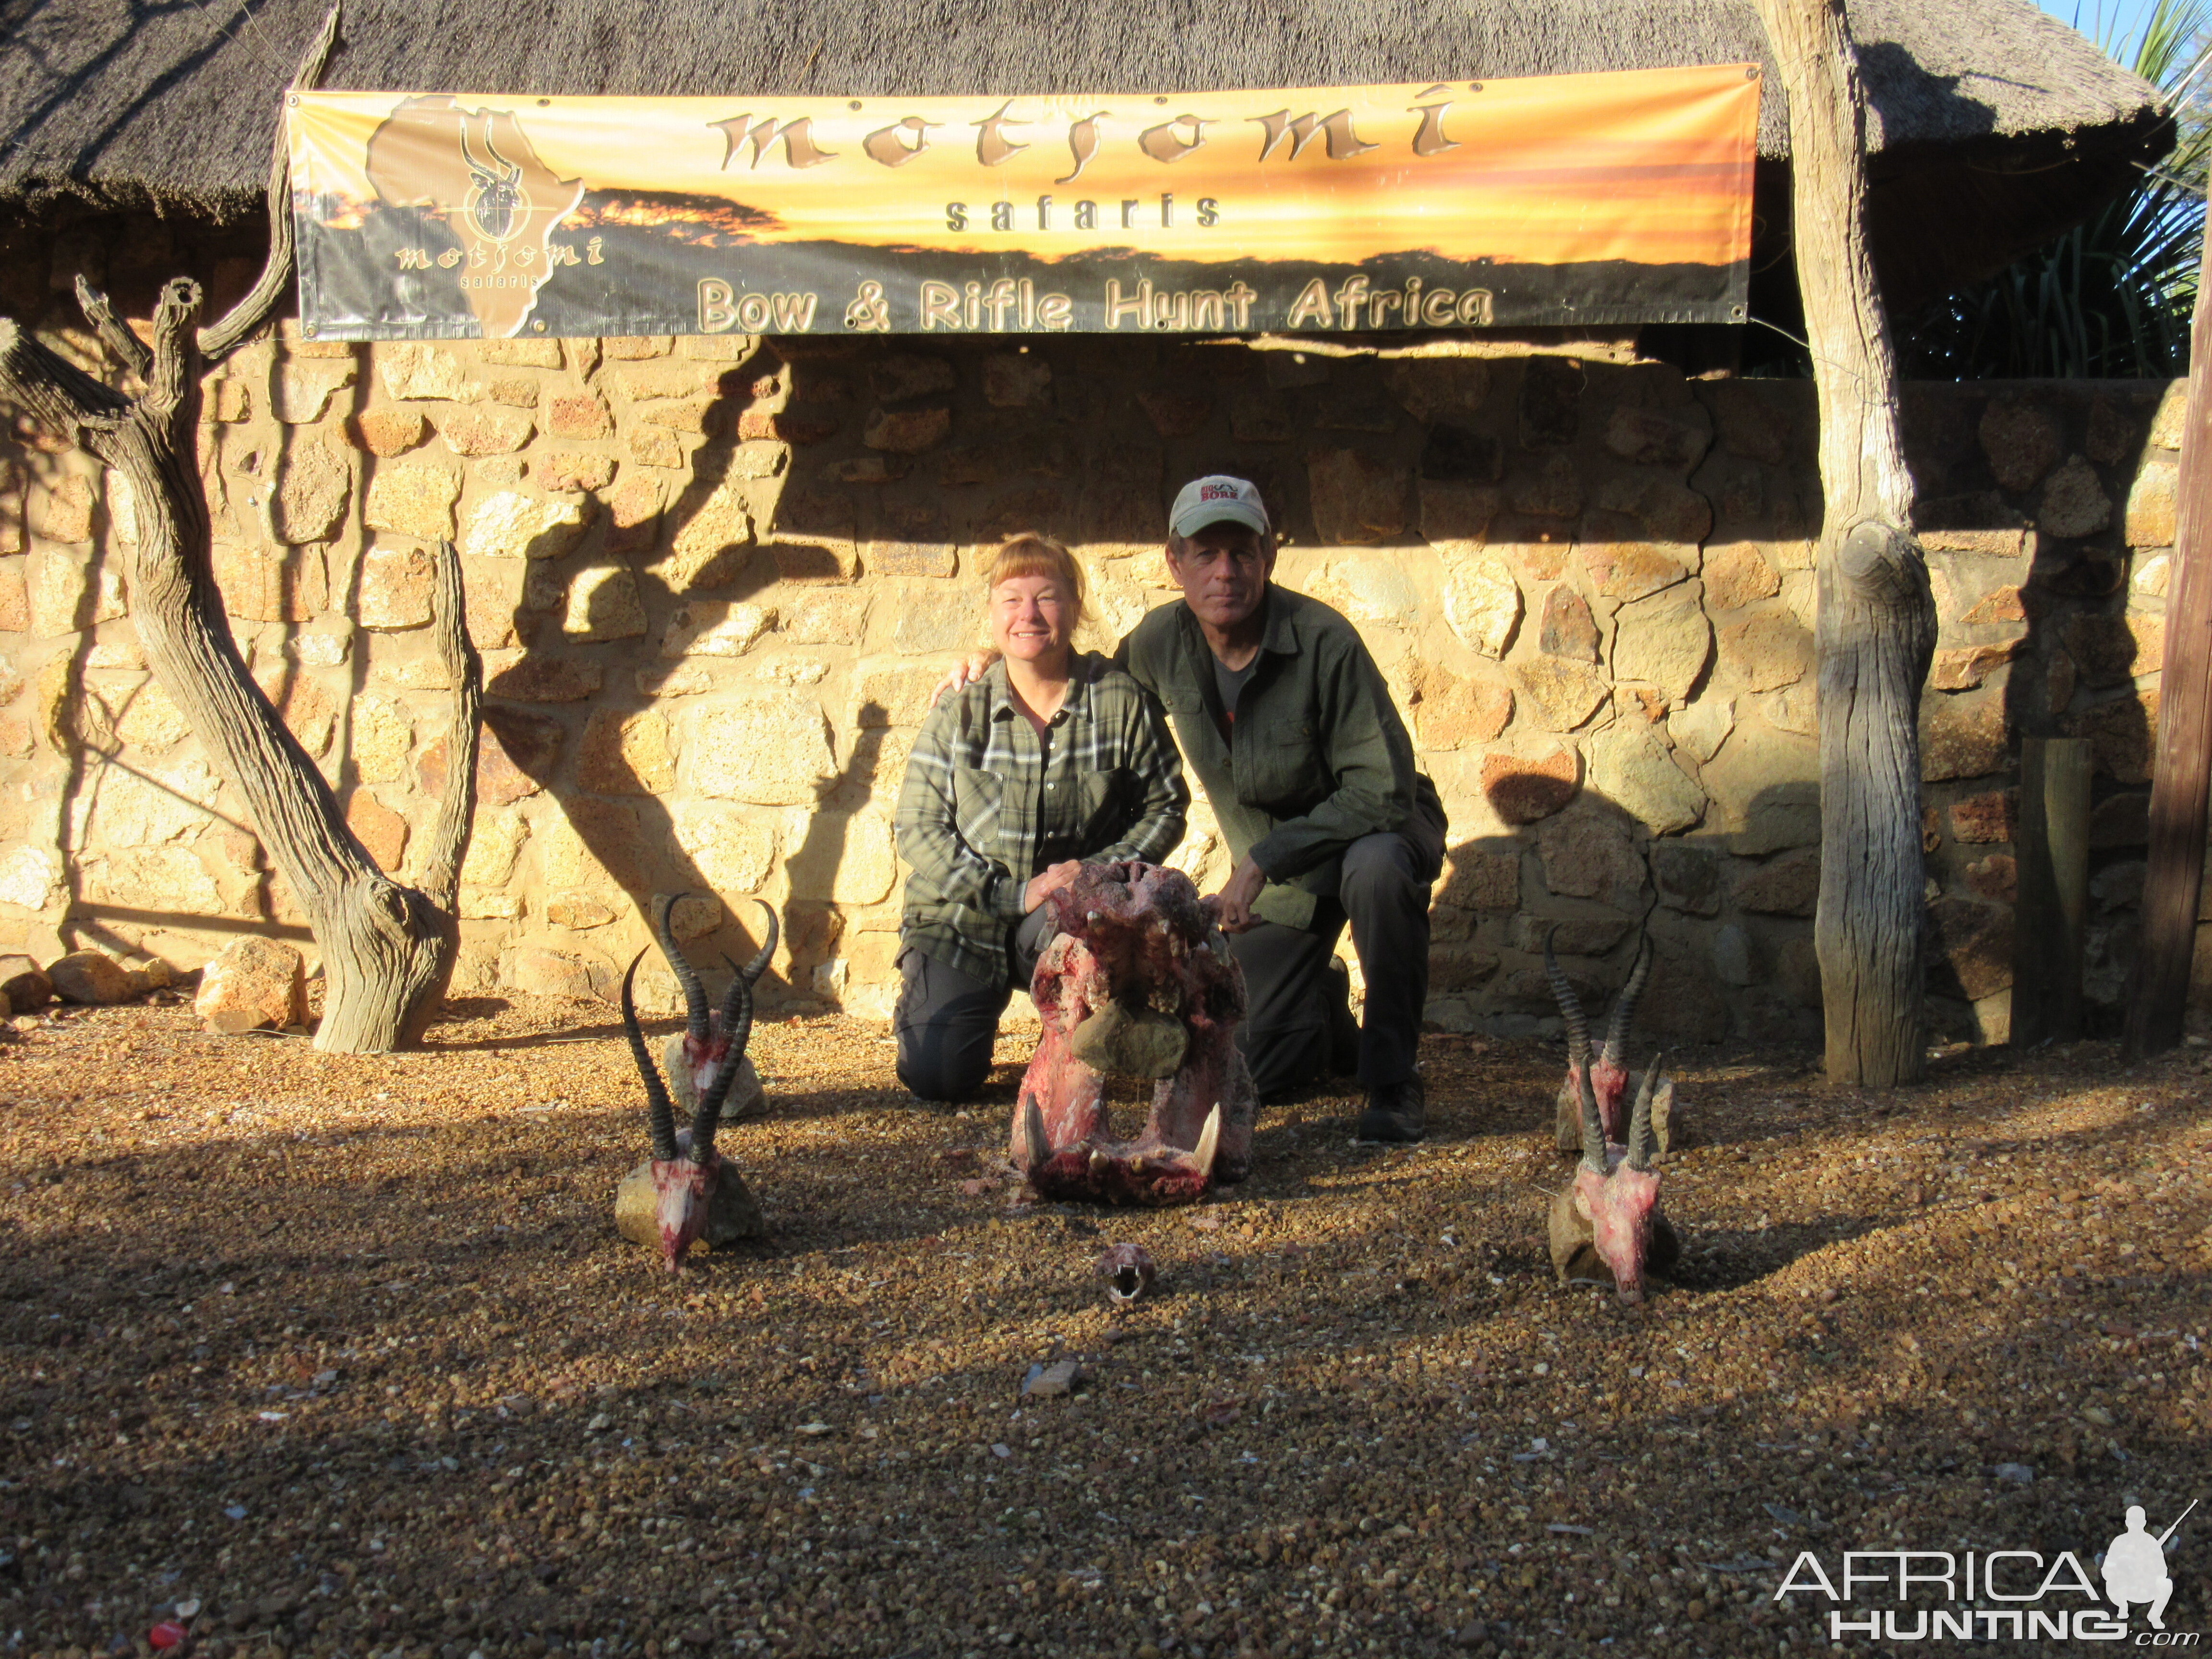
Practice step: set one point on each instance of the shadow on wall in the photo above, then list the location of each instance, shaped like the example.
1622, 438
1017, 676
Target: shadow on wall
779, 779
2047, 512
770, 785
1588, 483
1728, 913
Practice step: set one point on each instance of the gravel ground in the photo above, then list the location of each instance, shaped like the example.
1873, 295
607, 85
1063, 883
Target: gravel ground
336, 1355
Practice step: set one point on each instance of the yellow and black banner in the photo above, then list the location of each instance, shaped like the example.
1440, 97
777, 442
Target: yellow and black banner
1566, 199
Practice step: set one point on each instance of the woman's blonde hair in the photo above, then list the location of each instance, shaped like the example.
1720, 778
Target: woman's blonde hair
1031, 555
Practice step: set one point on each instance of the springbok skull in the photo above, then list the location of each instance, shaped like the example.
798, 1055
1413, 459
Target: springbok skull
693, 1187
1609, 1224
702, 1052
1604, 1071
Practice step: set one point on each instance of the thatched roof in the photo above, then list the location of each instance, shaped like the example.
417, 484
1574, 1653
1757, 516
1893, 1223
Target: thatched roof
132, 103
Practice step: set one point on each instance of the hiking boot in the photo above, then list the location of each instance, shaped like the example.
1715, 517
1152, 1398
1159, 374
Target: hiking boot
1396, 1112
1343, 1026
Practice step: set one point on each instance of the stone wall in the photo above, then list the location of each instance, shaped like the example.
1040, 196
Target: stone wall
713, 580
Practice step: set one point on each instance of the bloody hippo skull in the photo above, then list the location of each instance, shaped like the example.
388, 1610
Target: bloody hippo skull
1138, 984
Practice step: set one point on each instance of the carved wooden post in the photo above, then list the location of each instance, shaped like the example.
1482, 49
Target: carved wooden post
1877, 622
2183, 769
388, 950
2052, 911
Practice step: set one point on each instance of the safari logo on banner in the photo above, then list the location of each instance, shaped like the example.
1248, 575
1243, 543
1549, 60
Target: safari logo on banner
1583, 199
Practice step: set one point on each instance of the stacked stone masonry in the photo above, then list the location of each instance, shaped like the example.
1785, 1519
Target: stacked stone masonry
713, 580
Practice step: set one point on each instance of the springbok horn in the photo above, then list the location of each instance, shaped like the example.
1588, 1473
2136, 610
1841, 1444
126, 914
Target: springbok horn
1570, 1009
737, 1032
506, 167
1593, 1127
740, 990
468, 156
738, 1026
687, 976
1036, 1148
753, 970
660, 1111
1623, 1008
1641, 1139
1209, 1141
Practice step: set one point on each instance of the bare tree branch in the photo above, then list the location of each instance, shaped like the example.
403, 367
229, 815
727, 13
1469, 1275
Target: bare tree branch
53, 390
388, 950
219, 340
127, 348
172, 380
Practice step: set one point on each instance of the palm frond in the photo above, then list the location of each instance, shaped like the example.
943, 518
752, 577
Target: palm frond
2113, 296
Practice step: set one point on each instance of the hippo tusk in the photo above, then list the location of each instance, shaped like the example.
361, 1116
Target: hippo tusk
1209, 1140
1099, 1162
1033, 1136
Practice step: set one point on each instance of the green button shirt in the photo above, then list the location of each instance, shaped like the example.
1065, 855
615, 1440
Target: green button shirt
987, 804
1318, 758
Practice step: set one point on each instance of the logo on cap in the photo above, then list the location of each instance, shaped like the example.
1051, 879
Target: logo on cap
1217, 492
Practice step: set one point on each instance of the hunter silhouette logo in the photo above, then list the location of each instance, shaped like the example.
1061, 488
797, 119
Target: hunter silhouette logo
2135, 1566
477, 171
2000, 1594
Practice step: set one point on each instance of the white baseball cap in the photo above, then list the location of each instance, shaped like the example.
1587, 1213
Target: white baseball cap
1218, 499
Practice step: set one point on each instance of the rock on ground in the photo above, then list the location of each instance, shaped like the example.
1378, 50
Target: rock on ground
255, 984
25, 984
90, 976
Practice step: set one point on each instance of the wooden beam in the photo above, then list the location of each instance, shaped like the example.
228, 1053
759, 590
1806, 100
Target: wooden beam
1876, 629
2052, 916
2184, 765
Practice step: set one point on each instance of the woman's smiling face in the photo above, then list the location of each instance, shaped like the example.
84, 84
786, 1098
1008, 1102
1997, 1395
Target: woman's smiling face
1032, 617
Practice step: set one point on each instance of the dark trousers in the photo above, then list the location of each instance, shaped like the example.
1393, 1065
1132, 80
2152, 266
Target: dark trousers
1384, 895
947, 1022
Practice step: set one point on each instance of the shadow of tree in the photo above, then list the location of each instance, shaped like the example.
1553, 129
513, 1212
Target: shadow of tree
2026, 500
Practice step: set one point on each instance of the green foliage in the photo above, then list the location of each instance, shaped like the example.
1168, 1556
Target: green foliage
2113, 296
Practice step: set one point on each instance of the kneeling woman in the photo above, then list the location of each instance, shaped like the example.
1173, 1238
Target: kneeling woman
1053, 759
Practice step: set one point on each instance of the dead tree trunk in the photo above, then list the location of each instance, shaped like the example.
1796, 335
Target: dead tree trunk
388, 950
2159, 1004
1877, 619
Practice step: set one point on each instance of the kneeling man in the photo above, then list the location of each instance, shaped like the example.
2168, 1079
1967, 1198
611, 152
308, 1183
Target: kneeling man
1283, 713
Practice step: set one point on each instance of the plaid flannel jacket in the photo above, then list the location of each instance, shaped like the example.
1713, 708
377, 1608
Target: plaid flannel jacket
985, 805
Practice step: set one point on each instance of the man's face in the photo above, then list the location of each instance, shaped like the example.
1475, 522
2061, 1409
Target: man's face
1223, 569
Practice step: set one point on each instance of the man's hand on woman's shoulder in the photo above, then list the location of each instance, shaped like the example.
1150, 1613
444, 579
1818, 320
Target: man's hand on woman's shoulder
963, 674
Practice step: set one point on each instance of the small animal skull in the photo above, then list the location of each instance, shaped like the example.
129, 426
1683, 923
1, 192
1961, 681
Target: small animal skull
1127, 1272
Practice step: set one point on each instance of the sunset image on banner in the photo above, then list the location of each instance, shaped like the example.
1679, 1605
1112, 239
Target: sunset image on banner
1587, 198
